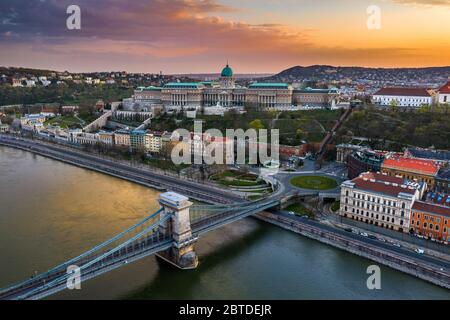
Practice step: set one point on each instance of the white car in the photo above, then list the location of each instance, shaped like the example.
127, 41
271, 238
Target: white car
419, 251
396, 244
364, 234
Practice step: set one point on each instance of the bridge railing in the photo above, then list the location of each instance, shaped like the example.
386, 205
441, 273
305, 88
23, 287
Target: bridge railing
86, 256
220, 218
199, 212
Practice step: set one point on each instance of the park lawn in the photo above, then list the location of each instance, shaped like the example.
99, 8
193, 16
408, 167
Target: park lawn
233, 178
239, 183
64, 121
314, 182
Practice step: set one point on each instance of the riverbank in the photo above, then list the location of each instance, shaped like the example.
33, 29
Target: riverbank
195, 190
425, 272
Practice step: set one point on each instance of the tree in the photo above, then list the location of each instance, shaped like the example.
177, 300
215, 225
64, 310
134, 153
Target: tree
256, 124
299, 134
424, 108
394, 105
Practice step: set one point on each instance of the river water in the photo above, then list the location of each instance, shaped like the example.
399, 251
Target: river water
51, 211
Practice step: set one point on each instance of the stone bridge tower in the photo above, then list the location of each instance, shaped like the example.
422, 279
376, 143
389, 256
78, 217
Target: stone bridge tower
182, 254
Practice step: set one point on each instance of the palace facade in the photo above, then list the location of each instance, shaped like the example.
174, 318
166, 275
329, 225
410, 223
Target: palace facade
225, 93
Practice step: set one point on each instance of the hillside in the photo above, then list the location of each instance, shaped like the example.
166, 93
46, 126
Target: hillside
399, 75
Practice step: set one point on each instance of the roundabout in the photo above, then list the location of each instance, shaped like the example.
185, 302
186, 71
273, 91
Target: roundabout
312, 182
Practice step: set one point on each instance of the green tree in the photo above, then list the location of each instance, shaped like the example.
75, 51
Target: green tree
256, 124
299, 134
394, 105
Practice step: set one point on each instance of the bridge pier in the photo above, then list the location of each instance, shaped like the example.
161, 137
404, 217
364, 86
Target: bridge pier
182, 254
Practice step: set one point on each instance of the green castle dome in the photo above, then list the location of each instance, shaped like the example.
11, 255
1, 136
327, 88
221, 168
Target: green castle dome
227, 72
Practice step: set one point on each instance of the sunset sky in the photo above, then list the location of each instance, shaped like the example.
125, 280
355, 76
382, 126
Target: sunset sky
256, 36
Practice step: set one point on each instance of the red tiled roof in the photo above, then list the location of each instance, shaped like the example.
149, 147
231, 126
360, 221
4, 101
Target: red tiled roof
445, 88
363, 182
415, 92
431, 208
382, 177
428, 167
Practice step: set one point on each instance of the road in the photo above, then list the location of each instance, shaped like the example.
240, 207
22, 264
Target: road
438, 263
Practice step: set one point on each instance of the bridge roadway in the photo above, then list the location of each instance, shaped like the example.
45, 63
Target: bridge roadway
195, 190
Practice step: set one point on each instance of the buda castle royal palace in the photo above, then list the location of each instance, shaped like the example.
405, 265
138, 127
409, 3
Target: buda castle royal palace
224, 94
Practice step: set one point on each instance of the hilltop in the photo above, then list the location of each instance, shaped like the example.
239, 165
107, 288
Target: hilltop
332, 73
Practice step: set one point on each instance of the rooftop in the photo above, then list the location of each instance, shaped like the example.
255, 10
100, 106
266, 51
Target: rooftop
445, 88
444, 174
149, 88
438, 198
427, 167
431, 208
414, 92
189, 85
429, 154
269, 85
227, 71
380, 183
312, 90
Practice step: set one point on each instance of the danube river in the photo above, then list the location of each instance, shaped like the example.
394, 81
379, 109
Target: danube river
51, 211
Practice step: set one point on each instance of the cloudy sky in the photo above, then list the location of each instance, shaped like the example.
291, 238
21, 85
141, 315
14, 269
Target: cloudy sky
256, 36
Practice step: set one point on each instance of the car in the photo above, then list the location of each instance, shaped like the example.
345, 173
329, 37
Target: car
371, 236
291, 212
396, 244
419, 251
348, 229
381, 239
364, 234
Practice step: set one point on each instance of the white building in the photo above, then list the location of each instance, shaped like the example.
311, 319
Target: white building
122, 138
17, 82
403, 97
380, 200
33, 119
444, 93
154, 142
30, 83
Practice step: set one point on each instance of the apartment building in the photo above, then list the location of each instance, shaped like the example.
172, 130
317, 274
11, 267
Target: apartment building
431, 220
411, 169
380, 200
